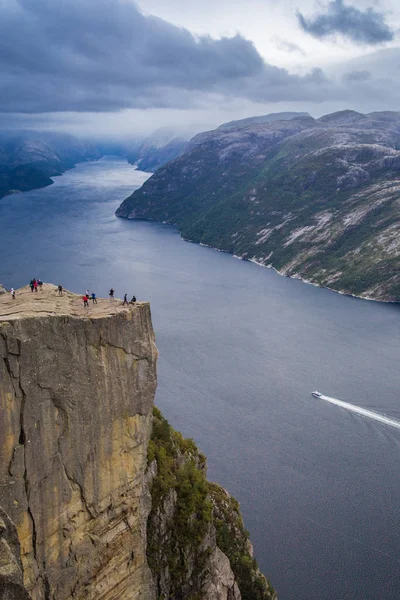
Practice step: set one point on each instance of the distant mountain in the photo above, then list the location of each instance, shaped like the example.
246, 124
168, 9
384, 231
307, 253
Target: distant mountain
28, 159
21, 179
167, 143
160, 147
314, 198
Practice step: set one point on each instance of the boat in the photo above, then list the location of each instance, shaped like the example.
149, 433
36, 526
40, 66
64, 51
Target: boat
316, 394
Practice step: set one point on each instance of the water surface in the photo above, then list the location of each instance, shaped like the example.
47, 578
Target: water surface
241, 348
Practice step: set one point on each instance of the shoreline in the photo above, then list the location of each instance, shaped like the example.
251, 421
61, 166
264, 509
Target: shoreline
296, 277
259, 264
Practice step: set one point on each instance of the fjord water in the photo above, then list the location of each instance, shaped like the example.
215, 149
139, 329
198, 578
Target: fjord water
241, 349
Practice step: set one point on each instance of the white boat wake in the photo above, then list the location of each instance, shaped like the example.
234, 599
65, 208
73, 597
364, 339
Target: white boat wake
364, 412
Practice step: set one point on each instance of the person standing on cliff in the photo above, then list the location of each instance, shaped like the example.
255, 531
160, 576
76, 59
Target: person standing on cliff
31, 285
12, 293
60, 290
125, 300
111, 294
94, 299
35, 285
85, 299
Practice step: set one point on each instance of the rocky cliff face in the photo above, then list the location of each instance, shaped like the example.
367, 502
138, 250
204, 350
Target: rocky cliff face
11, 577
316, 199
76, 396
197, 544
77, 465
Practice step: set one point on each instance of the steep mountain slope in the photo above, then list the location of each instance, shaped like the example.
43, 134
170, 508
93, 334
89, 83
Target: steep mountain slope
316, 199
28, 159
196, 537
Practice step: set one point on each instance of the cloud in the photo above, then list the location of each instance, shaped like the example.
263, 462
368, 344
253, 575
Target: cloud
106, 55
362, 27
358, 76
286, 46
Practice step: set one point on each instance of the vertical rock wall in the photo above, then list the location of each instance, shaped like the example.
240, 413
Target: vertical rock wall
11, 580
76, 397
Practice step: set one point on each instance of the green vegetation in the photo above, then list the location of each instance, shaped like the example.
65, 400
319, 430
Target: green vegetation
180, 515
233, 540
185, 510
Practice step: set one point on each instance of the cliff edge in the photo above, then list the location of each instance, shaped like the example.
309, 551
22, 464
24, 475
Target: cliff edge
99, 497
76, 393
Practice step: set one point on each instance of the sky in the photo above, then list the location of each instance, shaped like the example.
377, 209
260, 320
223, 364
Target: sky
118, 67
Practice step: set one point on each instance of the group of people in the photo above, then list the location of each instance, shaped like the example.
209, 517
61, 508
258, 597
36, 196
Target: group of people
35, 284
133, 300
38, 283
92, 296
125, 302
89, 296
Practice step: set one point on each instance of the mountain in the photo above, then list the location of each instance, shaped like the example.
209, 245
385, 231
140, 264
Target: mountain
270, 118
162, 146
21, 179
28, 159
166, 143
317, 199
99, 496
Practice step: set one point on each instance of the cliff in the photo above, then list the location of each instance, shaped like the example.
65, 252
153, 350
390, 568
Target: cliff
11, 578
316, 199
197, 544
76, 397
95, 491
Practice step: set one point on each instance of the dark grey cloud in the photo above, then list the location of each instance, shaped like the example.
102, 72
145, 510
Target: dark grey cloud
360, 76
362, 27
106, 55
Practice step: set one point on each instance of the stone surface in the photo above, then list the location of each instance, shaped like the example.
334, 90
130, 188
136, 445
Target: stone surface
76, 394
221, 584
11, 579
